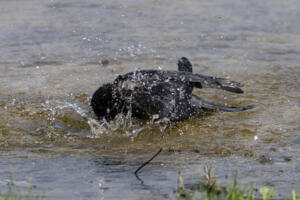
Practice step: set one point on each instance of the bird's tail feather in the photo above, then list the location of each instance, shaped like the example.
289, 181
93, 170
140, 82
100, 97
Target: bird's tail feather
198, 102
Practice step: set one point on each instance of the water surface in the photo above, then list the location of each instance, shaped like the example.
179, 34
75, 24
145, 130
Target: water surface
55, 54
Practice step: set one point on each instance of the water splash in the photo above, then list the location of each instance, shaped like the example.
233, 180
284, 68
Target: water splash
58, 118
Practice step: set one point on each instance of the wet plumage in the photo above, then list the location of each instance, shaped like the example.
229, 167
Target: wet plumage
160, 93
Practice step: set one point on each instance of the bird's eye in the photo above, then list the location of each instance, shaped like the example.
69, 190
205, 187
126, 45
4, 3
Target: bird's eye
107, 110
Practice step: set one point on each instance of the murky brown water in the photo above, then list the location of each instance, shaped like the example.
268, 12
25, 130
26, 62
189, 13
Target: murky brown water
55, 54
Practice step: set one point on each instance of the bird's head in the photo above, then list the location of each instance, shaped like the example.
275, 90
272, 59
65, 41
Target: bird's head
104, 102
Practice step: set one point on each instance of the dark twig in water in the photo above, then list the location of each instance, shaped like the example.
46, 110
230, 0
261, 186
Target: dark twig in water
138, 178
144, 164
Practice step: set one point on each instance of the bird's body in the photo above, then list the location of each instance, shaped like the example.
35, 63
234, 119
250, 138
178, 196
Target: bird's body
165, 94
160, 93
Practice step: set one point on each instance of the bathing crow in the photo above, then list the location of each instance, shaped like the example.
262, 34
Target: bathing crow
160, 93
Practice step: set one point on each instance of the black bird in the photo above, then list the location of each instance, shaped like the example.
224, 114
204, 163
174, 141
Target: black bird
160, 93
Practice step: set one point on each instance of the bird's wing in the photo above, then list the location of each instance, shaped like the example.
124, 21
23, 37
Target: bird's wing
200, 81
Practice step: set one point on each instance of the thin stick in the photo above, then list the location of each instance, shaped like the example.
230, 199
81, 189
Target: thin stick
146, 163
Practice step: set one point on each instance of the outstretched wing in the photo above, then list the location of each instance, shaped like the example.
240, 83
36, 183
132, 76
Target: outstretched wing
199, 81
184, 65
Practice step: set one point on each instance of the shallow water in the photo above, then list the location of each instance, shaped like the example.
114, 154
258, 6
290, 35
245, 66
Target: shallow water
55, 54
